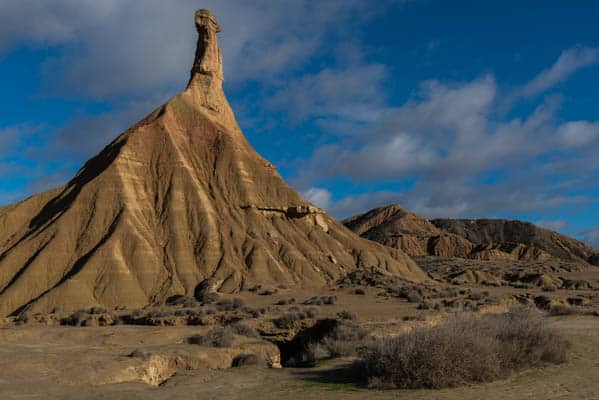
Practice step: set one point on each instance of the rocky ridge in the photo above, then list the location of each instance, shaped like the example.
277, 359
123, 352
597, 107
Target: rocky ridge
482, 239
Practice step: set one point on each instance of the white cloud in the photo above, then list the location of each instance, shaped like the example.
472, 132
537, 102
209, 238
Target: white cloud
115, 48
48, 22
15, 137
134, 55
569, 61
352, 205
578, 133
591, 237
355, 93
464, 158
554, 225
320, 197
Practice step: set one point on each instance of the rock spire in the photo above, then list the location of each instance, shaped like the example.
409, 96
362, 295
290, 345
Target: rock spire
179, 197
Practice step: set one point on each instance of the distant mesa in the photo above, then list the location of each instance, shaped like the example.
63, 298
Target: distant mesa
484, 239
178, 198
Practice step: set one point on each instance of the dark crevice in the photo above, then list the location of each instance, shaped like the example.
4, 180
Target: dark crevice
293, 351
29, 261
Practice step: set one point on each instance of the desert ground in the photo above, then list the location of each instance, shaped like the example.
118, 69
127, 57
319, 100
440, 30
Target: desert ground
48, 357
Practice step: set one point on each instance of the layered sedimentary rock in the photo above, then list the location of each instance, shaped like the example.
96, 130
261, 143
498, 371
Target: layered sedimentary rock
395, 227
179, 197
484, 239
523, 240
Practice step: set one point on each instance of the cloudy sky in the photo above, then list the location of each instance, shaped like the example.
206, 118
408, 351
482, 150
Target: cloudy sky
462, 108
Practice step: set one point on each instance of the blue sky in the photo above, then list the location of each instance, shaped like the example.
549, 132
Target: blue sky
453, 109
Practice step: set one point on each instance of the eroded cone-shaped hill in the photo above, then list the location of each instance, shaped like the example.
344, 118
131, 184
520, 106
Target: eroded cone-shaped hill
485, 239
179, 197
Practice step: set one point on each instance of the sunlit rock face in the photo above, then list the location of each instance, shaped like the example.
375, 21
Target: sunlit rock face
179, 197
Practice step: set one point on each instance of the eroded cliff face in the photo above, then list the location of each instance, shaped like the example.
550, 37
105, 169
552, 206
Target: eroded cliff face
522, 240
179, 197
483, 239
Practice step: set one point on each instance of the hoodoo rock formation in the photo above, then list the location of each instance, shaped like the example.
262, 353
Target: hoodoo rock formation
485, 239
179, 197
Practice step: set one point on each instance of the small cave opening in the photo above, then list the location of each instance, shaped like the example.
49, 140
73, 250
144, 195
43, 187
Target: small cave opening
295, 352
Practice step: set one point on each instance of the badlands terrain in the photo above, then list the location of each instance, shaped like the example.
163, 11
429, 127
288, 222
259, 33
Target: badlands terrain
178, 264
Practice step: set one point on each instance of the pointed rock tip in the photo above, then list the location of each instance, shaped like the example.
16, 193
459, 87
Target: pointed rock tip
205, 18
207, 71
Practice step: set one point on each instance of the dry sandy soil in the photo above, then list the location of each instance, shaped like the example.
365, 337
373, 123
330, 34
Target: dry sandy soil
40, 361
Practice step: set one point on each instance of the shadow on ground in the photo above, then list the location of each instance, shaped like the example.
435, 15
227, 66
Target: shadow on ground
346, 376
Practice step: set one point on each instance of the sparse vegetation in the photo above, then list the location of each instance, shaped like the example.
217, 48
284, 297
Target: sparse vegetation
184, 301
287, 319
216, 337
311, 312
254, 312
89, 316
562, 309
466, 348
345, 339
347, 315
318, 301
284, 302
243, 329
410, 294
238, 303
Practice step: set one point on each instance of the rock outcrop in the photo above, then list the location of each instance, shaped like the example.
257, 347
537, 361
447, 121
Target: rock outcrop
522, 240
395, 227
178, 198
483, 239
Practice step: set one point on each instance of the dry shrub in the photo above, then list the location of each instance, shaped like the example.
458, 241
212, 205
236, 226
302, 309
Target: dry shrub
243, 329
238, 303
562, 309
288, 319
466, 348
215, 337
410, 294
318, 301
284, 302
78, 318
313, 352
345, 339
311, 312
181, 300
225, 305
347, 315
252, 312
